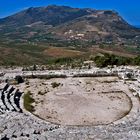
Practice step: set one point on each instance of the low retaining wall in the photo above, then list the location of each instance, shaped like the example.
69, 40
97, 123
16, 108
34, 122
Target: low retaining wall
45, 76
94, 75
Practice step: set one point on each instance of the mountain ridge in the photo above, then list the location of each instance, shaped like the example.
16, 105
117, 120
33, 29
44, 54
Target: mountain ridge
45, 20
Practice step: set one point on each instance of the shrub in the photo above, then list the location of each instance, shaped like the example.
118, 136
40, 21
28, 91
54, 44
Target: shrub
19, 79
54, 84
137, 60
108, 59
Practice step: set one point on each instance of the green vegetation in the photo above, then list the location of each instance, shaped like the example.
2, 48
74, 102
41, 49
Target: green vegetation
23, 45
28, 100
137, 60
65, 60
54, 84
70, 54
31, 53
19, 79
108, 59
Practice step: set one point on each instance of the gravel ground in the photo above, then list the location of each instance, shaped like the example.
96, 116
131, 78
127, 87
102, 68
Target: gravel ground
80, 101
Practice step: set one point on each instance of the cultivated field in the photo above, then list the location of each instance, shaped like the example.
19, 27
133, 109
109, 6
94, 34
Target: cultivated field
62, 52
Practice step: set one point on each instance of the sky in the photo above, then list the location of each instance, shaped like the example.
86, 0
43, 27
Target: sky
128, 9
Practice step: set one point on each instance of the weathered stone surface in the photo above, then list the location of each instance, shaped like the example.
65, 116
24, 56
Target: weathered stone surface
25, 126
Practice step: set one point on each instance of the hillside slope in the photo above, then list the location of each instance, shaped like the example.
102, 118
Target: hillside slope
68, 23
31, 33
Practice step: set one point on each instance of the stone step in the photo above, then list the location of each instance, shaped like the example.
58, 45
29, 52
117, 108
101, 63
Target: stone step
2, 98
17, 97
12, 100
7, 95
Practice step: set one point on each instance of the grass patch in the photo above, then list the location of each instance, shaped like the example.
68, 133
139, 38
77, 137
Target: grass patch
28, 100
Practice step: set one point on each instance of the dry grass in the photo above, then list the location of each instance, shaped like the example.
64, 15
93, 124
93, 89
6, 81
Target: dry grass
28, 100
62, 52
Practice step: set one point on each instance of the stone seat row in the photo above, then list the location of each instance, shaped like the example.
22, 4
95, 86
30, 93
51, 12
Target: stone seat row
10, 98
